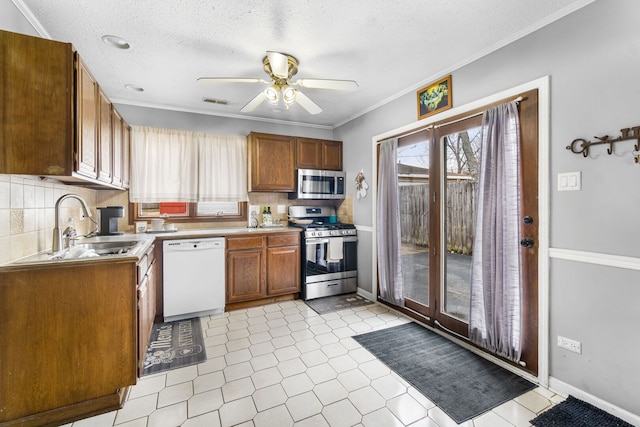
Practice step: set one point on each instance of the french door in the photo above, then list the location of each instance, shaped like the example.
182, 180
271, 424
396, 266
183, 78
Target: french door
437, 175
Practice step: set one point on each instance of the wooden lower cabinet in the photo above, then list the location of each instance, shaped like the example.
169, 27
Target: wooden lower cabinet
68, 342
283, 264
245, 275
262, 266
147, 273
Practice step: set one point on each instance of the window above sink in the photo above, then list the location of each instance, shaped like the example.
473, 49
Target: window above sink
190, 212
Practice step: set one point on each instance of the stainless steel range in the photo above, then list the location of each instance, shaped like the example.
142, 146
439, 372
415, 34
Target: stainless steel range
329, 252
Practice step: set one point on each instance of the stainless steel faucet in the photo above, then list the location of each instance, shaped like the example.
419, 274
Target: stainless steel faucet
57, 235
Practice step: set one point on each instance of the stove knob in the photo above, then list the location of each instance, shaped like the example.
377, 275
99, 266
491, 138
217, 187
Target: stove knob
345, 232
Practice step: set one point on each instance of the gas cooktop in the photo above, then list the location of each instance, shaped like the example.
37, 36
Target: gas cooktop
321, 225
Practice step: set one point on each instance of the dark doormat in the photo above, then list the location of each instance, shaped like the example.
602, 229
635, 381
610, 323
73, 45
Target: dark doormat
576, 413
461, 383
174, 345
337, 302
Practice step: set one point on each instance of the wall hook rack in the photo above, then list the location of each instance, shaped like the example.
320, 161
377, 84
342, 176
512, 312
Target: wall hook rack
581, 145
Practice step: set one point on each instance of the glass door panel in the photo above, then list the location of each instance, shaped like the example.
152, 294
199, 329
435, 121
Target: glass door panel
413, 180
461, 158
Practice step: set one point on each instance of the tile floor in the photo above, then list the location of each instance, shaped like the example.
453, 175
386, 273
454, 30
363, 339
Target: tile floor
284, 365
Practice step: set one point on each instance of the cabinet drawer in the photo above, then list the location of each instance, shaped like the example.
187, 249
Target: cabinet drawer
283, 239
248, 242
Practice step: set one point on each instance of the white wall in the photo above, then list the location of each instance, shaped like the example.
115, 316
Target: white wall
593, 58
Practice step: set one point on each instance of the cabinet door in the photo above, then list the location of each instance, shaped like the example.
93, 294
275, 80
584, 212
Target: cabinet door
105, 164
308, 153
331, 155
126, 147
245, 275
36, 106
116, 120
146, 313
271, 162
86, 122
283, 270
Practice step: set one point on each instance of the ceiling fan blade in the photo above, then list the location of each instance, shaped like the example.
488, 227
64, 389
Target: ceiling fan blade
307, 104
251, 105
231, 80
279, 64
327, 84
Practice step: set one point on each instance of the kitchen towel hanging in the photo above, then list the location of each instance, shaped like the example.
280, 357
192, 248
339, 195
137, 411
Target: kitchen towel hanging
334, 249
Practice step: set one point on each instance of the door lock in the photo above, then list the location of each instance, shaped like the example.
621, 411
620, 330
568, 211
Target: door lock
527, 220
527, 242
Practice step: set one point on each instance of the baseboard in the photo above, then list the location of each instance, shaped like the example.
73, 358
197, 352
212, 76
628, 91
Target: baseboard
565, 389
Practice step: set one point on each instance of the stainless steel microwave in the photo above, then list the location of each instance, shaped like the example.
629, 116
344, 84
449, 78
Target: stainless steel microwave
319, 184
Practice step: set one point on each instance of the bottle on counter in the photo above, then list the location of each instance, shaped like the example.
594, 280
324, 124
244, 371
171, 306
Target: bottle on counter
269, 220
264, 215
70, 233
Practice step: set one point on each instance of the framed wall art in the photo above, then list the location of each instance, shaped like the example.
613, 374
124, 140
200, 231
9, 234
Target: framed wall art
434, 98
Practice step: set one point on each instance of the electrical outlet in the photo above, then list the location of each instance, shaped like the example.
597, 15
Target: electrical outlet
282, 209
569, 344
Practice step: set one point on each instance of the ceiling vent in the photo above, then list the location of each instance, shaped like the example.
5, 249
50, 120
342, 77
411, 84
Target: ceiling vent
215, 101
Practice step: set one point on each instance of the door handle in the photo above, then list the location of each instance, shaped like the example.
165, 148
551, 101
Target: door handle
527, 220
527, 242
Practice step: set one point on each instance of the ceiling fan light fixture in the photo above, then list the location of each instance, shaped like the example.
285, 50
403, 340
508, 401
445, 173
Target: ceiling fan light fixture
272, 95
289, 95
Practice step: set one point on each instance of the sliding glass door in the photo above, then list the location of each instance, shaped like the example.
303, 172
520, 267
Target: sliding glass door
437, 175
438, 169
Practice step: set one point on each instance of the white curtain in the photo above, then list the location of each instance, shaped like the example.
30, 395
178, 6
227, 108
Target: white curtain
388, 225
496, 290
222, 175
182, 166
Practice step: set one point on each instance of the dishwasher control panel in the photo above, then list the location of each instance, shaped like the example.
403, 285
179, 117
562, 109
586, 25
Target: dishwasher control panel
178, 245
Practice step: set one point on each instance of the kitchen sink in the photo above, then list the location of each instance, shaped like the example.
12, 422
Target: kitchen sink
109, 248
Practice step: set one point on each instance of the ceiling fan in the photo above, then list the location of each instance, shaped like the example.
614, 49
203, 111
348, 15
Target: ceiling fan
281, 68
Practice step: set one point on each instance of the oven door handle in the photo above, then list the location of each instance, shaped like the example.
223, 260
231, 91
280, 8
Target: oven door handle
315, 241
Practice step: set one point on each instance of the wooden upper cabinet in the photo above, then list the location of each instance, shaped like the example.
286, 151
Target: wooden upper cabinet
87, 106
36, 99
308, 153
271, 162
332, 155
118, 156
54, 121
105, 165
318, 154
126, 156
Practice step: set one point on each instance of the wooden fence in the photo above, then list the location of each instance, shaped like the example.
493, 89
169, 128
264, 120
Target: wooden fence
459, 212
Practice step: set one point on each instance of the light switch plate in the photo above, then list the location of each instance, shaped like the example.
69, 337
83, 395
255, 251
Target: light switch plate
570, 181
282, 209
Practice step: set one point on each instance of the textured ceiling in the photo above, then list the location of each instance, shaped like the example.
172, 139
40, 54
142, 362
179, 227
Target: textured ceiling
389, 47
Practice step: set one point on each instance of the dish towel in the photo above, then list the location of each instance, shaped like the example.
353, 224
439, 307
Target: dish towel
334, 249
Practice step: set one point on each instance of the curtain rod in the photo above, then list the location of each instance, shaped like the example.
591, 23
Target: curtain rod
439, 125
436, 126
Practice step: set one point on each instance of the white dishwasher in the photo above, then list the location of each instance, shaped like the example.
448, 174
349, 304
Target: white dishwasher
193, 277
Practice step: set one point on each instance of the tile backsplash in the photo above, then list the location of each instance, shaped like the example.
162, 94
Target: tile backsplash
27, 213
